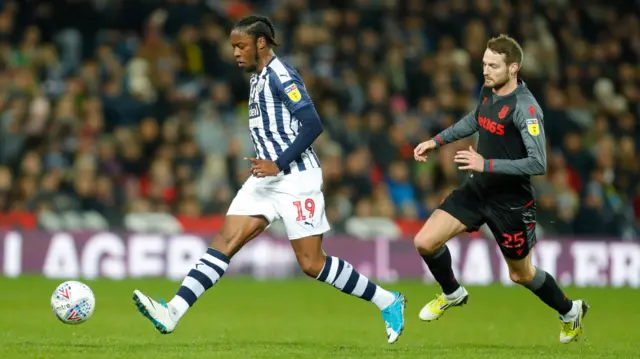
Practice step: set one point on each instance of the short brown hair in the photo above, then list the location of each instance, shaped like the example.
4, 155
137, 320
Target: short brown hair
507, 46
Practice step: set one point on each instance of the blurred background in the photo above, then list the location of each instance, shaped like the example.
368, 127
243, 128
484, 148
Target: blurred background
132, 114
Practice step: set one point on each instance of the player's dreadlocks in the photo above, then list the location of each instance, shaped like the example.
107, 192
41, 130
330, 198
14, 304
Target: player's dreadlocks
258, 26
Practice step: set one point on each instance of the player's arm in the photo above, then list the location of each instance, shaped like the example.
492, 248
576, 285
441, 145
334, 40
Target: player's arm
465, 127
295, 97
532, 132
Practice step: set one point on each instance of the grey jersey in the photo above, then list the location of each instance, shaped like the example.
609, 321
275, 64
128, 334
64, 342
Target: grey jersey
511, 140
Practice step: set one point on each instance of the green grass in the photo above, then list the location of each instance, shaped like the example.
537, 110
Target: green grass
303, 319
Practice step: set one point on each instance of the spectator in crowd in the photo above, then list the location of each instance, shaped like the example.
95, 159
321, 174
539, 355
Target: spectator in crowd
123, 107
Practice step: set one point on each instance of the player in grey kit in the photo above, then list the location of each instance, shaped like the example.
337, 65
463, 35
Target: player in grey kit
498, 191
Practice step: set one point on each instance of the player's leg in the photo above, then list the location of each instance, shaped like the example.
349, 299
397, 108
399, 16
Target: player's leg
302, 209
338, 272
458, 213
249, 214
235, 233
341, 275
514, 229
206, 272
543, 285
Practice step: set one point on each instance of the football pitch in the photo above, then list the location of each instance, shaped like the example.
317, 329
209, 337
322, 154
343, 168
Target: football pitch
243, 318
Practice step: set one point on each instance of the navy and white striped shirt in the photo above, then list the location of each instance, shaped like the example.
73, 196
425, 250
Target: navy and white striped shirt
277, 92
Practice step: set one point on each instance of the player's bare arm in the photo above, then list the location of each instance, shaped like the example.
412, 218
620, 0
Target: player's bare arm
466, 127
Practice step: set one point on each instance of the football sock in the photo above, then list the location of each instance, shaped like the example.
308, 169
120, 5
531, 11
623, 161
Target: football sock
204, 274
341, 275
439, 264
545, 287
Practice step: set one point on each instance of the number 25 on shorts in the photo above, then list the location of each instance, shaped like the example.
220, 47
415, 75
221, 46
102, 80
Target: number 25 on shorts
309, 208
513, 240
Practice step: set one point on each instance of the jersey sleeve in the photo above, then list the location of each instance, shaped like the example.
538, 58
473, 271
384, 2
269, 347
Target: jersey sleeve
528, 119
291, 91
465, 127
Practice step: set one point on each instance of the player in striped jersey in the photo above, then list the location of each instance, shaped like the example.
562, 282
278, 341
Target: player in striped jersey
285, 183
273, 127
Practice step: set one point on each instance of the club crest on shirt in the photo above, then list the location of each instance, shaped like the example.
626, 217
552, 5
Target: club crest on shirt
533, 127
293, 93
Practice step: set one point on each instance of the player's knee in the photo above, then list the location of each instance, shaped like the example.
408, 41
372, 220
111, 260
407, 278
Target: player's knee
311, 265
440, 227
427, 243
521, 277
228, 242
236, 233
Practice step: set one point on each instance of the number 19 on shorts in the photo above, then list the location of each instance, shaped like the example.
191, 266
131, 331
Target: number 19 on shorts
305, 210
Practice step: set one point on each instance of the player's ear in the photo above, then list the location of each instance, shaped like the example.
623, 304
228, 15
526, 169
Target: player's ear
513, 69
262, 42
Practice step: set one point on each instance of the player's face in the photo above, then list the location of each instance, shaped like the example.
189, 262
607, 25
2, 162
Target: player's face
244, 50
495, 69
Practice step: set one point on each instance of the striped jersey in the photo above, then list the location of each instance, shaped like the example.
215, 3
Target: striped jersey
277, 92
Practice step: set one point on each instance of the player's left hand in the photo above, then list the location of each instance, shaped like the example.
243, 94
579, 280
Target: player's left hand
471, 160
262, 168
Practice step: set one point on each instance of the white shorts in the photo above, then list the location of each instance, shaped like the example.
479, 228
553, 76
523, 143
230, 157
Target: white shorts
295, 198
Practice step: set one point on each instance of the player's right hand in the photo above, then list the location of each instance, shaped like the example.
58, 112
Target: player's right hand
420, 152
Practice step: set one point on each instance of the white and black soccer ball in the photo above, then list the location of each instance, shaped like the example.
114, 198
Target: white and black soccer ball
73, 302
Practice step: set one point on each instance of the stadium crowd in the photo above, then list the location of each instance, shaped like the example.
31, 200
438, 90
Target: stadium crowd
137, 106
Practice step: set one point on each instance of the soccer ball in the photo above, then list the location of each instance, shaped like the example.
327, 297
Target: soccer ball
73, 302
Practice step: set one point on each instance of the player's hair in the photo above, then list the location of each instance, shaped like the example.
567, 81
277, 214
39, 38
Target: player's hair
258, 26
507, 46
